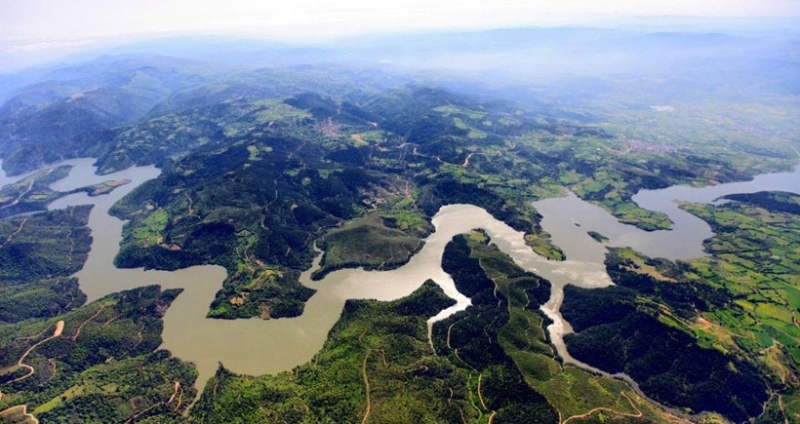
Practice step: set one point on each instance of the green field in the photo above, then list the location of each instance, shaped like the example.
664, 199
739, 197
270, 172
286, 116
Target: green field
572, 391
368, 242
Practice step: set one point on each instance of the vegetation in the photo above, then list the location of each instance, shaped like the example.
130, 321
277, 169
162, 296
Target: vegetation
52, 244
505, 328
64, 362
250, 181
42, 298
770, 201
38, 254
103, 188
667, 362
97, 363
735, 308
376, 365
79, 108
31, 193
327, 167
369, 242
259, 203
251, 184
493, 362
261, 167
598, 237
754, 256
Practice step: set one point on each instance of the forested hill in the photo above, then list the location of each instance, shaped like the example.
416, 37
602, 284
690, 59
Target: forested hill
252, 184
256, 167
259, 167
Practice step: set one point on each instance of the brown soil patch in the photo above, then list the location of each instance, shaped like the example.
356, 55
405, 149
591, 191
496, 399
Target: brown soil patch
480, 396
117, 183
57, 333
17, 414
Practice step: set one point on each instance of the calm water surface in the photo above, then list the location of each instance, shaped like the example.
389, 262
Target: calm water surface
5, 179
568, 219
256, 346
684, 241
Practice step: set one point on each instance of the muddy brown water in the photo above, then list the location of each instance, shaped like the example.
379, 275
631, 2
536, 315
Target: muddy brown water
255, 346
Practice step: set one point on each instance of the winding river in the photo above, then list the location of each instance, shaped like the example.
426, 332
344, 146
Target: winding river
256, 346
569, 219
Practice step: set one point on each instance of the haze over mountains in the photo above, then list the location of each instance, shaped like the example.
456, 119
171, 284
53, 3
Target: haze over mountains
54, 105
267, 152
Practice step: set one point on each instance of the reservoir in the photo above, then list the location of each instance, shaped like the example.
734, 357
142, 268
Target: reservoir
683, 241
256, 346
569, 219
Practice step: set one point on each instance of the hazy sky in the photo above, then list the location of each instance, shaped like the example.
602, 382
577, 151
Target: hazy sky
36, 31
25, 21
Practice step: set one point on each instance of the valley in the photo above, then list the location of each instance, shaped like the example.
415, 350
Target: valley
331, 243
185, 334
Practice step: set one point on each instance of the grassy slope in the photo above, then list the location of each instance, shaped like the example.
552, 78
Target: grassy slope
755, 257
740, 301
366, 242
572, 391
103, 367
379, 345
38, 254
257, 175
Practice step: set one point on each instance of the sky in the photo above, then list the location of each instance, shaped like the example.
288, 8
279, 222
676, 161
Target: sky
31, 27
60, 20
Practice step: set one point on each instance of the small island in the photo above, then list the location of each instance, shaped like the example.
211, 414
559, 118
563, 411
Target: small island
598, 237
103, 188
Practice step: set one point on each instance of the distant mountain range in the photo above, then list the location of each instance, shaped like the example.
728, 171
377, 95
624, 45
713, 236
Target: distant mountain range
268, 153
